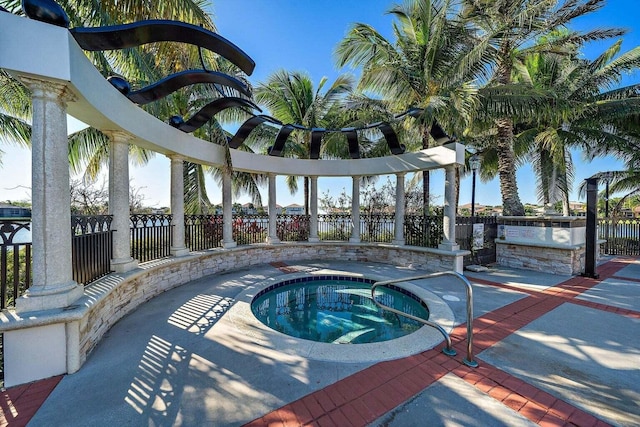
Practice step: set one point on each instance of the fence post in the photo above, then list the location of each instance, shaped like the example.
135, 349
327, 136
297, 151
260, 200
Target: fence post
591, 229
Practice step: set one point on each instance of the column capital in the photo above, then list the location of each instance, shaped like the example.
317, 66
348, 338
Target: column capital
118, 136
176, 157
48, 90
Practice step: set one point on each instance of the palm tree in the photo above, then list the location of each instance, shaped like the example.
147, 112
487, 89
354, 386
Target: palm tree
291, 98
418, 68
138, 65
626, 147
506, 32
89, 148
585, 113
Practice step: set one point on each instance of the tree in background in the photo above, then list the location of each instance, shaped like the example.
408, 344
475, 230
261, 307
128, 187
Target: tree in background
585, 112
417, 69
292, 99
506, 32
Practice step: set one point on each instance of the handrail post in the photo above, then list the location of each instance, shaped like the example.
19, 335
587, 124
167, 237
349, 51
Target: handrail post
469, 361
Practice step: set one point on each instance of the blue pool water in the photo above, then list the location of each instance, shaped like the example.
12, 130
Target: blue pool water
337, 309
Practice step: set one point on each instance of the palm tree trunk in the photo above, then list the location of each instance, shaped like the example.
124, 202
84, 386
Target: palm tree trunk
511, 204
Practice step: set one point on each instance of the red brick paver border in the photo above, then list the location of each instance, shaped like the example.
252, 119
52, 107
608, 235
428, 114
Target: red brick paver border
19, 404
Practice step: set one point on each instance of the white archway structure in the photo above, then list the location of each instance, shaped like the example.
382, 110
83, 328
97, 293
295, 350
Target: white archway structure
47, 59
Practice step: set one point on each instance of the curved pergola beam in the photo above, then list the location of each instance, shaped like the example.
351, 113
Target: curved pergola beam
243, 132
281, 138
352, 141
172, 83
50, 53
391, 138
316, 143
160, 30
211, 109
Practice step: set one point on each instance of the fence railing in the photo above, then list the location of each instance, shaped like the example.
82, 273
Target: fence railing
92, 241
150, 236
91, 247
15, 259
622, 236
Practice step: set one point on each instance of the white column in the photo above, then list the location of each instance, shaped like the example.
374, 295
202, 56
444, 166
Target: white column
449, 219
313, 217
119, 201
53, 285
355, 210
273, 235
227, 212
399, 217
178, 247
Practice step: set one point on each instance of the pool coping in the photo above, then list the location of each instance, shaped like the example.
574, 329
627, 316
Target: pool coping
245, 323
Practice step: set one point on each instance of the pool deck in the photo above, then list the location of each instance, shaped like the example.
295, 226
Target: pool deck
552, 350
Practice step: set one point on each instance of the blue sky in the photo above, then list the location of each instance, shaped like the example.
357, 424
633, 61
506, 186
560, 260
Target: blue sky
301, 35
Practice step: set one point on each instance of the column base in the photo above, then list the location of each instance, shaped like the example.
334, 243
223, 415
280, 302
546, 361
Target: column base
447, 246
39, 298
123, 265
178, 252
398, 242
229, 245
273, 240
354, 240
313, 239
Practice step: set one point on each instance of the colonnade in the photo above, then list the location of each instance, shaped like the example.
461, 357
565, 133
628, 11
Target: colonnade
51, 317
53, 286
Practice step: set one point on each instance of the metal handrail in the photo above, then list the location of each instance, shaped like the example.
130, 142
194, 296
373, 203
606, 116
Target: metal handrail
448, 349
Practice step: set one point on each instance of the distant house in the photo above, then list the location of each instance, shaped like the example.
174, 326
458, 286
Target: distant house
249, 209
293, 209
10, 211
578, 208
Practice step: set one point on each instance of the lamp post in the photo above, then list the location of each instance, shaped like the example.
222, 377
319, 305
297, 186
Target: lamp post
474, 163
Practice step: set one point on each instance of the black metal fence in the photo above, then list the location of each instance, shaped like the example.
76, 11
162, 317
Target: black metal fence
203, 231
484, 251
15, 259
622, 236
150, 236
151, 239
424, 231
91, 247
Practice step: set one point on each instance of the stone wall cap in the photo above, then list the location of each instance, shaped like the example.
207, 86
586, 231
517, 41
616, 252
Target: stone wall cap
539, 244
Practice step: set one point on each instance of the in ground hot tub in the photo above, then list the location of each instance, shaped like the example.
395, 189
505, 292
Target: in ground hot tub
338, 310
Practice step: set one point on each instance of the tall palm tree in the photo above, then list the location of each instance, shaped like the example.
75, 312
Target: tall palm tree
506, 32
417, 68
585, 113
291, 98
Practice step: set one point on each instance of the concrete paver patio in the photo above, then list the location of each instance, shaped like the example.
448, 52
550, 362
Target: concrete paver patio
553, 350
